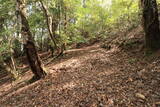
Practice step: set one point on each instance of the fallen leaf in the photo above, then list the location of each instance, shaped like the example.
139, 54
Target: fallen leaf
141, 96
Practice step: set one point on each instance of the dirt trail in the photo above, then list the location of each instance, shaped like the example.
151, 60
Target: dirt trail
92, 77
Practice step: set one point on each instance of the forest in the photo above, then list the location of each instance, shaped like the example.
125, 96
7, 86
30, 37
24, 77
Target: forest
79, 53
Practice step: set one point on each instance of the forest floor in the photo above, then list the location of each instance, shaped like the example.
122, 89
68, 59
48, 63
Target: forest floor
122, 75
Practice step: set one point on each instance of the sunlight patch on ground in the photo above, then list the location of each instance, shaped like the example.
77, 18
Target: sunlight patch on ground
6, 87
69, 63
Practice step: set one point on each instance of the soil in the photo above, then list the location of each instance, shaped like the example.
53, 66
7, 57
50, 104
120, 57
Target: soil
121, 76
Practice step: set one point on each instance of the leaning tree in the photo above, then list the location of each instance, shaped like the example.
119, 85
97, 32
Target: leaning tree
29, 46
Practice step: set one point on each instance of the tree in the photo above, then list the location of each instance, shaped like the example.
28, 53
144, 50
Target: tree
151, 24
29, 46
53, 23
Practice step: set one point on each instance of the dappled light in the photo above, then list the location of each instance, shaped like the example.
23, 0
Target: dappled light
79, 53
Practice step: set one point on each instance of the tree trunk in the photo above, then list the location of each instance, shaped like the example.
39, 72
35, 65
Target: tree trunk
151, 24
29, 46
49, 23
52, 25
13, 62
41, 45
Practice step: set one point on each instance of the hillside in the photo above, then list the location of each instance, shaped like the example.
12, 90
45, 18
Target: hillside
115, 72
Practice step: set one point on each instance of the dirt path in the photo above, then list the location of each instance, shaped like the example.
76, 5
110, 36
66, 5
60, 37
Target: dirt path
92, 77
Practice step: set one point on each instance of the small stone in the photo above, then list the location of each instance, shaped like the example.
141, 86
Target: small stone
138, 95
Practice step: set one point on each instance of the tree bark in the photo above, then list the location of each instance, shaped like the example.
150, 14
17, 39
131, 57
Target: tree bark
49, 22
151, 24
52, 25
13, 62
29, 46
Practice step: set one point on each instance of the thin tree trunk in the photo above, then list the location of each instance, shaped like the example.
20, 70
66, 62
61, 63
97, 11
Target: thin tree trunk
29, 46
49, 23
52, 27
13, 62
151, 24
42, 39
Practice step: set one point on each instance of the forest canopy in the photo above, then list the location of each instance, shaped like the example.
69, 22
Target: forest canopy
77, 21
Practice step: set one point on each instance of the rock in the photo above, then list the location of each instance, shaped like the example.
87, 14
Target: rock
140, 96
